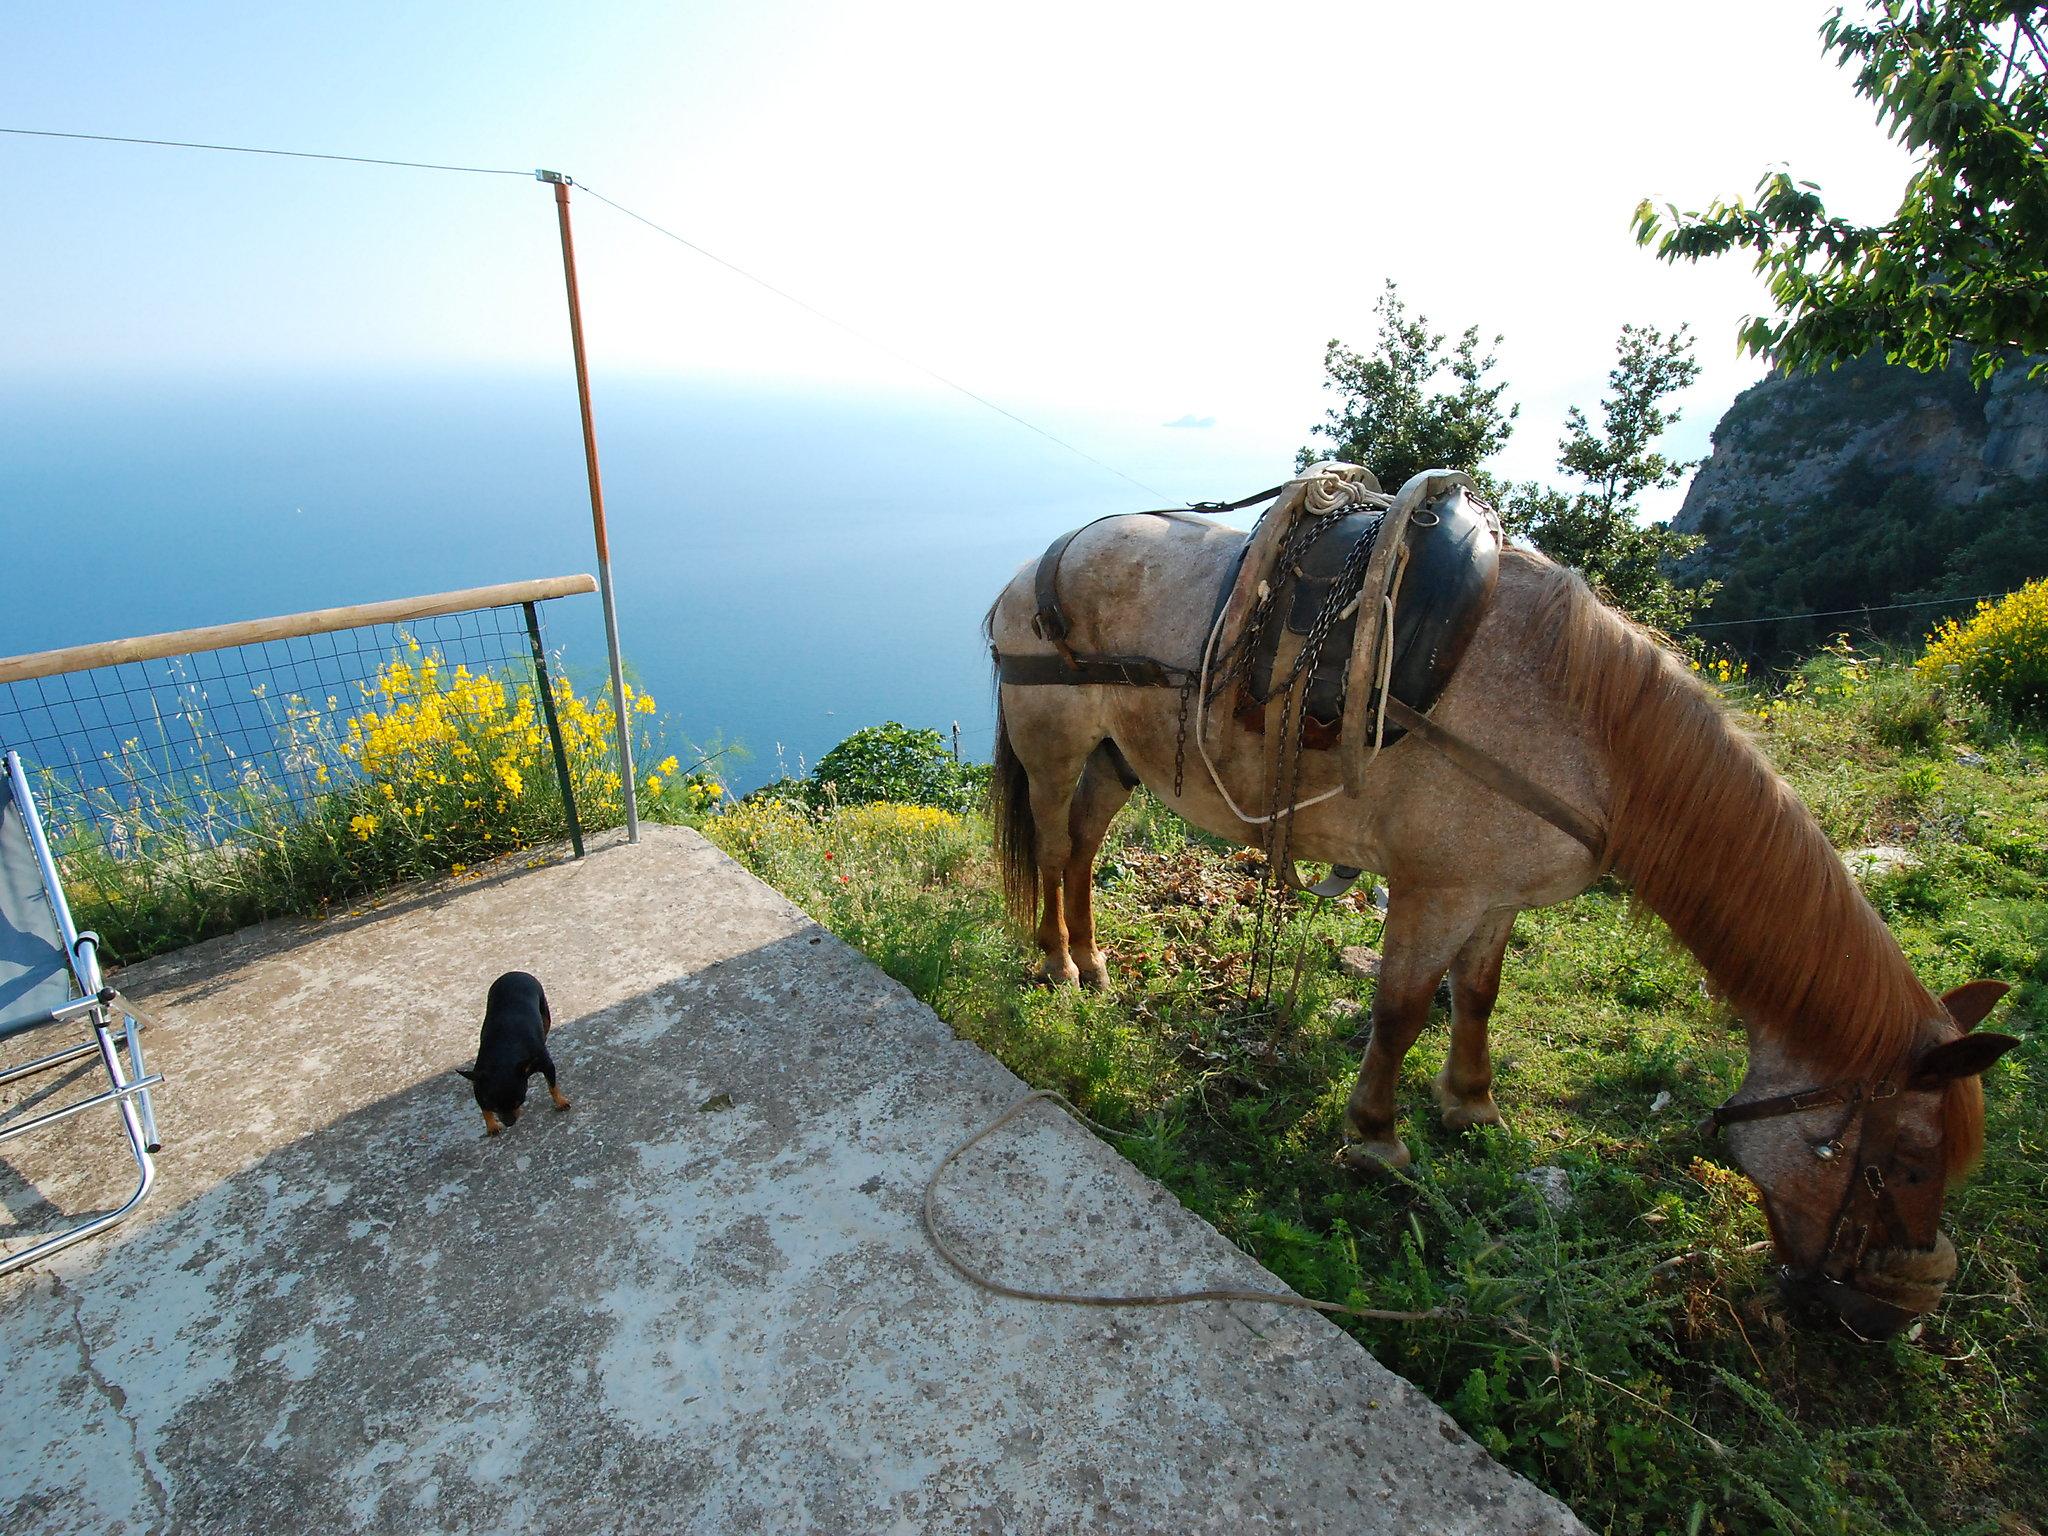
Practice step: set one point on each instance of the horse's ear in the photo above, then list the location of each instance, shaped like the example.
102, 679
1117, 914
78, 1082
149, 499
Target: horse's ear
465, 1072
1969, 1003
1964, 1057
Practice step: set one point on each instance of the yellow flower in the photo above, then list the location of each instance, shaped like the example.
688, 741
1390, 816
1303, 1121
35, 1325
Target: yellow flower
363, 825
644, 704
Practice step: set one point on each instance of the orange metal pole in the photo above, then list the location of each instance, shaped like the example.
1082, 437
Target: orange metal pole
628, 792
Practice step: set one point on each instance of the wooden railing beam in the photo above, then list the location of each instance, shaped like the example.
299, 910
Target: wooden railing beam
290, 626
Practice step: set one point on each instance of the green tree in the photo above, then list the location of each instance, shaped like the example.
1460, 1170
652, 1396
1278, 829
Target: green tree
1963, 84
1599, 529
1394, 417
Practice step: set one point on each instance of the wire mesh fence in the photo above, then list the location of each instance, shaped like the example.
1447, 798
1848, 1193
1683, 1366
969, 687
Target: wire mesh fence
192, 792
210, 745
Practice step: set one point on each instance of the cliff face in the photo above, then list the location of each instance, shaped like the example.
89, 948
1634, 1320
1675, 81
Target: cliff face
1868, 486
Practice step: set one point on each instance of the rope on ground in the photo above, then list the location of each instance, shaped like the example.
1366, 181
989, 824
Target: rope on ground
1559, 1361
1139, 1299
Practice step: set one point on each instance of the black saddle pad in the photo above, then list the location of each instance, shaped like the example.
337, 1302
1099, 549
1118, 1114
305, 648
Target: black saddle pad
1453, 564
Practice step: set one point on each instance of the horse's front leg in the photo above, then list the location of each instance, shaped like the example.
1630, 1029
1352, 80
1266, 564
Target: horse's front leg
1424, 930
1464, 1089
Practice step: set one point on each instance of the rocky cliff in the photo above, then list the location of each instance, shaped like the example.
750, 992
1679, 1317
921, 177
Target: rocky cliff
1868, 486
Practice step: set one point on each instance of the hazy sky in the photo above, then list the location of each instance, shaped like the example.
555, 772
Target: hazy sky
1106, 216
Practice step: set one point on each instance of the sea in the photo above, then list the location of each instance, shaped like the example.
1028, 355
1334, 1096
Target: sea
792, 562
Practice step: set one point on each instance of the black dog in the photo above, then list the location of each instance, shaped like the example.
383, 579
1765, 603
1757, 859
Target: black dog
514, 1047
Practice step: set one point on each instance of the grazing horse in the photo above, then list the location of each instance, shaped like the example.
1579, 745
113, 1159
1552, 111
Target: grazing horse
1861, 1102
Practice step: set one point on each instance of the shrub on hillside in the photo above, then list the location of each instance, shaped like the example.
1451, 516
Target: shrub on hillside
1905, 711
894, 763
2000, 653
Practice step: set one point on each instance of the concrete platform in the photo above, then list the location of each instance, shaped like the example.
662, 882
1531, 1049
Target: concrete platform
698, 1301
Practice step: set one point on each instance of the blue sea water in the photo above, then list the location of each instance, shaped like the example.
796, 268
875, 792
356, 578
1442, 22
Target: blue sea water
790, 564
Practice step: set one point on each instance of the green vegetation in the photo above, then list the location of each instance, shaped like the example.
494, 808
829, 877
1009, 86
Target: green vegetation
1392, 417
2000, 655
1963, 86
1859, 529
884, 763
1598, 528
1626, 1352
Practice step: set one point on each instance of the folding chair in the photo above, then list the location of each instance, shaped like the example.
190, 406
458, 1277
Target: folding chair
50, 975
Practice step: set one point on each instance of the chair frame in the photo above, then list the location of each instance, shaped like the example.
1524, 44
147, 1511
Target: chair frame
101, 1007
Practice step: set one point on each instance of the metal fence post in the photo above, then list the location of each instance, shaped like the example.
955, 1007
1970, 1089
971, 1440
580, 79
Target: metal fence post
547, 711
628, 792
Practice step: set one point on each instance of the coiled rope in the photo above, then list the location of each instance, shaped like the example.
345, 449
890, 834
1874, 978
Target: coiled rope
987, 1282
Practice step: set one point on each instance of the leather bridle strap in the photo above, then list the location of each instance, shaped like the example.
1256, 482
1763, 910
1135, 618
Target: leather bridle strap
1868, 1207
1783, 1104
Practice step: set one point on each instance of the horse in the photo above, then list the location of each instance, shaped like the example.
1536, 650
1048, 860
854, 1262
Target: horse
1861, 1103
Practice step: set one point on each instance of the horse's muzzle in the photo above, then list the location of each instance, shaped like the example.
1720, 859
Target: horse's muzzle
1881, 1299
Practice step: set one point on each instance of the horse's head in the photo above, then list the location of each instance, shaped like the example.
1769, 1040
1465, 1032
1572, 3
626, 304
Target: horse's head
1853, 1173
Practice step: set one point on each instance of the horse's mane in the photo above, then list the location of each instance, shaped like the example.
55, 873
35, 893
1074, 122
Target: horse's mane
1714, 842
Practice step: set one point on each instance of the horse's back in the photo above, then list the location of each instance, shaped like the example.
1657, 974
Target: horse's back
1143, 584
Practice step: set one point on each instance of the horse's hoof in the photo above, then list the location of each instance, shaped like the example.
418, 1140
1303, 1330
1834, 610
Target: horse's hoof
1065, 974
1095, 974
1463, 1111
1375, 1156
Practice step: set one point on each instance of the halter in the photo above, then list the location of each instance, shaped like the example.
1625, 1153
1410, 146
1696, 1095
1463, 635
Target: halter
1869, 1212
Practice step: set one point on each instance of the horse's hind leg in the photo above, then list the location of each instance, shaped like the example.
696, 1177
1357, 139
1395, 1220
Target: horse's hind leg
1425, 930
1105, 788
1055, 771
1464, 1089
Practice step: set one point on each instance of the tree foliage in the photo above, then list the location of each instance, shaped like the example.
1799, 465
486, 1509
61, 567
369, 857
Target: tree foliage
1963, 84
1599, 529
1394, 415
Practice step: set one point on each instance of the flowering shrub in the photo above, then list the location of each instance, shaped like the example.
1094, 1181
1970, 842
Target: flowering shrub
462, 761
2000, 652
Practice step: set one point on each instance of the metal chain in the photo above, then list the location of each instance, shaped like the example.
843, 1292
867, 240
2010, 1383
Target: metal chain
1278, 839
1236, 661
1180, 735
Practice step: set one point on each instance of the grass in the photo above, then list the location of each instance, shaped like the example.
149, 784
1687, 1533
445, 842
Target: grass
1627, 1353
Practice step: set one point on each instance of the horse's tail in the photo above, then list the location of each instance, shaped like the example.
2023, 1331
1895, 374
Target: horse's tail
1016, 831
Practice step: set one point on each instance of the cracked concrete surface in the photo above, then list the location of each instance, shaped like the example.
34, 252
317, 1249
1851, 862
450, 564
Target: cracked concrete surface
700, 1300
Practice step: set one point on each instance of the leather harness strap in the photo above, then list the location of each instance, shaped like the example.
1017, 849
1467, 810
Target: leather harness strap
1490, 771
1127, 671
1501, 779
